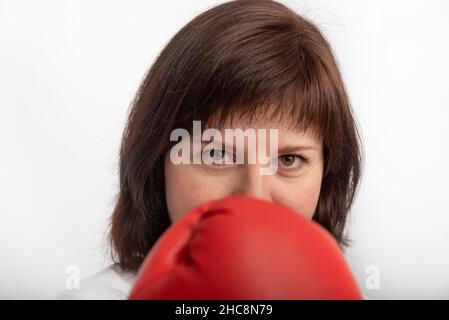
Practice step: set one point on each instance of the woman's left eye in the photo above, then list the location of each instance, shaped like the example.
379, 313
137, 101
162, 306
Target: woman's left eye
291, 161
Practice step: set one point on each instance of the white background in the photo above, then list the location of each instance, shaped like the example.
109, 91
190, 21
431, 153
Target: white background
69, 69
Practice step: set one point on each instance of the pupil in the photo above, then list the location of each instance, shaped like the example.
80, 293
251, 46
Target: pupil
288, 160
212, 153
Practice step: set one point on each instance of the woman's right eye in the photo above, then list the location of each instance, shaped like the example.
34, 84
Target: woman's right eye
218, 156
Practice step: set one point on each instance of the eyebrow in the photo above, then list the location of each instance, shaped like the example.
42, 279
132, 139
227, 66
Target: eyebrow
291, 148
283, 149
218, 144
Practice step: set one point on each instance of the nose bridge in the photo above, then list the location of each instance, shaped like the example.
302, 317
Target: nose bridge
253, 183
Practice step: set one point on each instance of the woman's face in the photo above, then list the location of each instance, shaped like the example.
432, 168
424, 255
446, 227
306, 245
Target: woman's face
296, 184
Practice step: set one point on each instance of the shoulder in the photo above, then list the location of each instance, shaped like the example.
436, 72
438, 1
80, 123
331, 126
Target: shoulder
111, 283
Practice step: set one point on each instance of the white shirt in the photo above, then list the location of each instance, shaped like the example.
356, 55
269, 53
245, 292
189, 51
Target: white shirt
112, 283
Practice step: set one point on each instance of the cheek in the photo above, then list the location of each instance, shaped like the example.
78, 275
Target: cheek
303, 198
186, 188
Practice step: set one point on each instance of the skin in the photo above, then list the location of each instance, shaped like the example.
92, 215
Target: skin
296, 184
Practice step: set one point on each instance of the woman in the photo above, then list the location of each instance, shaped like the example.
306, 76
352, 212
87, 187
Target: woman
242, 64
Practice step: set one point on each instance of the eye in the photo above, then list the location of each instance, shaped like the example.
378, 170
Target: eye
218, 156
292, 162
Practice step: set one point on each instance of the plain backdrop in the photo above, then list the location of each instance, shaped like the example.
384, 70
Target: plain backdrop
69, 69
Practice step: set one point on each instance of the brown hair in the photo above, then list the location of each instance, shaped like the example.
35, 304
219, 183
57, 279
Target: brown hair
242, 58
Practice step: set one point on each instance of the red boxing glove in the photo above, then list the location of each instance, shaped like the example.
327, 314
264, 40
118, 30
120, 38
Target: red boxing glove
244, 248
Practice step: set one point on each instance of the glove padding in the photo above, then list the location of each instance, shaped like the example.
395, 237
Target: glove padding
244, 248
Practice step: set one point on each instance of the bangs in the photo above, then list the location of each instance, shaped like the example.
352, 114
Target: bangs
305, 104
294, 108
